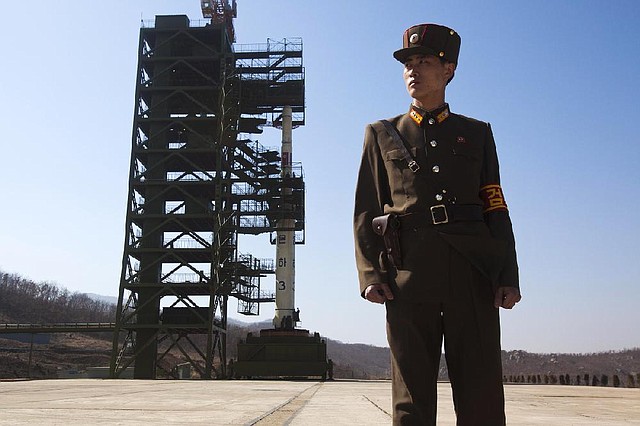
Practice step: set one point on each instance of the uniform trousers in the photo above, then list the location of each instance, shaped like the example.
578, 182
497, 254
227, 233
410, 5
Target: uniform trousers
464, 316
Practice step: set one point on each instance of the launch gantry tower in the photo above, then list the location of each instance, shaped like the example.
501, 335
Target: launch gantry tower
197, 180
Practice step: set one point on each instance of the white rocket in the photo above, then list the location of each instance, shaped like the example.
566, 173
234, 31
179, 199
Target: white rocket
286, 316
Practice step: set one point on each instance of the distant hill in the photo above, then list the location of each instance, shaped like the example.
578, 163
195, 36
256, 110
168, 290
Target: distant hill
102, 298
359, 361
24, 301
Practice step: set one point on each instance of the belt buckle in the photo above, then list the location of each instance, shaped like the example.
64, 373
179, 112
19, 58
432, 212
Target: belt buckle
414, 166
436, 214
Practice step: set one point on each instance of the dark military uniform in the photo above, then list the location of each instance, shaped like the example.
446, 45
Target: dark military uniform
456, 247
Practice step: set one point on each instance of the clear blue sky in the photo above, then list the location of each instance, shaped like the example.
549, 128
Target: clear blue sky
558, 80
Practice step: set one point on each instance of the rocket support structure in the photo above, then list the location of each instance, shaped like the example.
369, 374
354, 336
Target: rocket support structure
284, 351
286, 316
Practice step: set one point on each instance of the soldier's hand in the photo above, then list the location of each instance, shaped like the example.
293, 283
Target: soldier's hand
506, 297
378, 293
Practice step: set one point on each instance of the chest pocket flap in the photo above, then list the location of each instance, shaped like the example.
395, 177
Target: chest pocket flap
468, 151
397, 154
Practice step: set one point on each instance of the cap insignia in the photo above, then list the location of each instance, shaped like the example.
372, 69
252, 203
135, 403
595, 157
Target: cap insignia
414, 38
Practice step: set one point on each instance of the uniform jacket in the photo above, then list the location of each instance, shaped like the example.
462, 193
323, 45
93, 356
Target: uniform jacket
458, 166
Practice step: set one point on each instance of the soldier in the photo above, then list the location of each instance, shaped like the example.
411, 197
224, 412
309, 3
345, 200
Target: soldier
434, 241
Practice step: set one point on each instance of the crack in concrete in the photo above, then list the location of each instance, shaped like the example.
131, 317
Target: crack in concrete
285, 413
377, 406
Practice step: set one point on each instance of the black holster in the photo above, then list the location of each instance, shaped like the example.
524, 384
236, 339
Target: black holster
388, 226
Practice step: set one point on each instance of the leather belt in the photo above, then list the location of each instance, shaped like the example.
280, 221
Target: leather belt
441, 214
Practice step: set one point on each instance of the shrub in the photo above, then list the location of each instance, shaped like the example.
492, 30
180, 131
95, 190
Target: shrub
604, 380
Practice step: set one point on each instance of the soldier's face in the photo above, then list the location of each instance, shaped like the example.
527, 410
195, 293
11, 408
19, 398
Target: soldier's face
425, 76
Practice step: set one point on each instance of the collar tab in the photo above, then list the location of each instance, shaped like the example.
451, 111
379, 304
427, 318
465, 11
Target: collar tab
437, 115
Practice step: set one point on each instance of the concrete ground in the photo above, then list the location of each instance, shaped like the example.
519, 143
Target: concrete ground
245, 402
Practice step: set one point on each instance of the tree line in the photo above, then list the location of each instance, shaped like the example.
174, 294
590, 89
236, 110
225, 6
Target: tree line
25, 301
630, 380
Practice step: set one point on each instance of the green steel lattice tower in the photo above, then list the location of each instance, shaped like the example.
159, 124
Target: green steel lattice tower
196, 181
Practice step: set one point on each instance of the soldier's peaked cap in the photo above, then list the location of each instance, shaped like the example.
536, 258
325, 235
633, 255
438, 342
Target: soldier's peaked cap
429, 39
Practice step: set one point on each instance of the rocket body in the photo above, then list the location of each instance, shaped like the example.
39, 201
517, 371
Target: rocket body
285, 316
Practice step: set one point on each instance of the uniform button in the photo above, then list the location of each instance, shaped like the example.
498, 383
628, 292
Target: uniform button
431, 121
439, 197
444, 191
433, 143
435, 169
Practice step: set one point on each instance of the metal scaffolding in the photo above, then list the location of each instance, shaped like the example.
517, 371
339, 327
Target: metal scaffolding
197, 180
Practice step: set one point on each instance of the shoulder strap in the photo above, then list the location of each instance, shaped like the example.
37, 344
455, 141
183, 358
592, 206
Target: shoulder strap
397, 139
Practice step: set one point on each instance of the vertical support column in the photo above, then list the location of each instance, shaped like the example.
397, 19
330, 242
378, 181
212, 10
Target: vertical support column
285, 317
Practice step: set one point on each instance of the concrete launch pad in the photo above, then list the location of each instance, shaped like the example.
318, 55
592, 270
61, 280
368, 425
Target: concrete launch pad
245, 402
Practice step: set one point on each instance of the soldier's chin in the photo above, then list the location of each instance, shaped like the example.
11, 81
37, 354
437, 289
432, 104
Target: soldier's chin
413, 92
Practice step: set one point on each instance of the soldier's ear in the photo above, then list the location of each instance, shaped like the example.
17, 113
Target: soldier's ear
450, 69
